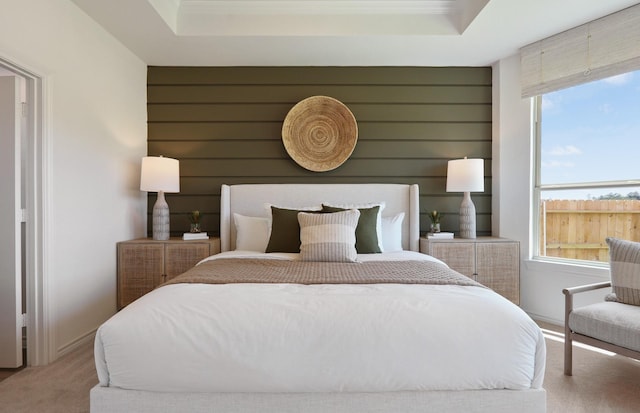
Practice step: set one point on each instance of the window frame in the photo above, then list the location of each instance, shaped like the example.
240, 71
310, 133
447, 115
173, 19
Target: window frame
539, 188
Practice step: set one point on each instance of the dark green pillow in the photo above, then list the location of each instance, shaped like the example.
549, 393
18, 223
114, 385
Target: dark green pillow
366, 234
285, 230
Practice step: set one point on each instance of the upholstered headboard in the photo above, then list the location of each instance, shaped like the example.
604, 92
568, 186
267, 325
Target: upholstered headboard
249, 200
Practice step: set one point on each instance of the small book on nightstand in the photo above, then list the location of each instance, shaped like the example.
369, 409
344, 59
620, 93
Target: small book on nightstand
440, 235
188, 236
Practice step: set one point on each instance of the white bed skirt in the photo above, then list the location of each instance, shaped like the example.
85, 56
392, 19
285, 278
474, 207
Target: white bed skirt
114, 400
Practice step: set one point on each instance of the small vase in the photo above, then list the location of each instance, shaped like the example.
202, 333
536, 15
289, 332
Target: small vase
435, 227
195, 227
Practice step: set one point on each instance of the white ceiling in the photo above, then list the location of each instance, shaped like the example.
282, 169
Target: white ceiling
337, 32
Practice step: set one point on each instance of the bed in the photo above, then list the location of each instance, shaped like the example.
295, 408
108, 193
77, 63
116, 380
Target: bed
369, 339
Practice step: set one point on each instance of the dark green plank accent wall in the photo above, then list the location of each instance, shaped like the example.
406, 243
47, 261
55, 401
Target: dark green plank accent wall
224, 125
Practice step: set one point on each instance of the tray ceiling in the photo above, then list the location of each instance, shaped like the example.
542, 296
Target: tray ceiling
337, 32
317, 17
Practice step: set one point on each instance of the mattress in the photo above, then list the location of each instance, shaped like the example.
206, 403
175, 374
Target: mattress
283, 338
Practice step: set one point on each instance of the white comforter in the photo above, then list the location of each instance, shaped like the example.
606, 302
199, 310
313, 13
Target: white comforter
320, 338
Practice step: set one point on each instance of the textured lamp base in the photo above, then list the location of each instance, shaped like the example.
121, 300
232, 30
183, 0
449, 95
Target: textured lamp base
161, 219
467, 217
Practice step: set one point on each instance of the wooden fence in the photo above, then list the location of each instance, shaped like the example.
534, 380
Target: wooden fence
577, 229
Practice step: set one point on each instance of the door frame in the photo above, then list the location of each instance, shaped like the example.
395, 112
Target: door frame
40, 344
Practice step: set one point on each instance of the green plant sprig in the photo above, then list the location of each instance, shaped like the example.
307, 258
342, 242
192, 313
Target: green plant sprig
195, 216
435, 216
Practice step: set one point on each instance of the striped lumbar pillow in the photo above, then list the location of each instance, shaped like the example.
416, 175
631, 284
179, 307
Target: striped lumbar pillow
624, 259
328, 237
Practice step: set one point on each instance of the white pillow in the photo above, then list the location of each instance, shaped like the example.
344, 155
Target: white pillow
329, 237
381, 204
267, 208
392, 232
252, 233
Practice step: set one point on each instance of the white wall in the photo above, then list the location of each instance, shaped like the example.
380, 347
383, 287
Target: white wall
541, 283
96, 134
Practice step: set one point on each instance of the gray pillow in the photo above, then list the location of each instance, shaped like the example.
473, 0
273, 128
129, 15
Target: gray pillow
624, 260
328, 237
366, 231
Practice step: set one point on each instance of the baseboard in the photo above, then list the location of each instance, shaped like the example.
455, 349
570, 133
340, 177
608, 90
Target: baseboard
538, 317
69, 347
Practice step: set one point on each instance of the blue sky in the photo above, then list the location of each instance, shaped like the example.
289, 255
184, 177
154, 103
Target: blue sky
591, 133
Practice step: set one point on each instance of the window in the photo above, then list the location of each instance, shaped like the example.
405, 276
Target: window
588, 168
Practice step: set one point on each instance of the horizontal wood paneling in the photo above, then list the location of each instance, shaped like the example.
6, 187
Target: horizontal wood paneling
263, 149
265, 112
210, 203
285, 168
348, 94
224, 125
423, 131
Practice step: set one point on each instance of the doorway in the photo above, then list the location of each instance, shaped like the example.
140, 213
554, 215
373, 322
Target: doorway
27, 159
12, 280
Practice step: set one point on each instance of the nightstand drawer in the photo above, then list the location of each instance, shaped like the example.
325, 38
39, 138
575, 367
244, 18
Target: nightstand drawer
144, 264
494, 262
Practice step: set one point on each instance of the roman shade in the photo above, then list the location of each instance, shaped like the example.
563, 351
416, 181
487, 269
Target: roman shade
596, 50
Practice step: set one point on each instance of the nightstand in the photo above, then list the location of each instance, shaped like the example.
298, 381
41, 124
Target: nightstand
143, 263
493, 262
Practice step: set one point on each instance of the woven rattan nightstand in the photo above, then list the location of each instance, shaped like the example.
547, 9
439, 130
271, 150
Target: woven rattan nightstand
494, 262
143, 264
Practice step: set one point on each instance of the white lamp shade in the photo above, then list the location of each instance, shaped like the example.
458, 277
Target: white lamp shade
160, 174
465, 175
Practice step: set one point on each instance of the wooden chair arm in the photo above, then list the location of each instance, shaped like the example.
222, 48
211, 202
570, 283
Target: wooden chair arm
588, 287
568, 308
568, 299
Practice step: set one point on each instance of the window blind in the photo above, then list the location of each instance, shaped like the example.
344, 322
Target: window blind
602, 48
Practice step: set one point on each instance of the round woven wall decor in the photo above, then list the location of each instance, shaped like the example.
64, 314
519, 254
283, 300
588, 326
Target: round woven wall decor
319, 133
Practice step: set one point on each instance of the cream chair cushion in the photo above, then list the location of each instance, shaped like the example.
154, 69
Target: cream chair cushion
615, 323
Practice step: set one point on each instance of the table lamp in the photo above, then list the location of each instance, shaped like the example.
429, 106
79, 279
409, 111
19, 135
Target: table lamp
159, 174
466, 175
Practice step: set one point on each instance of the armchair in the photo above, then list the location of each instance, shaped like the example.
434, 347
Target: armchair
612, 326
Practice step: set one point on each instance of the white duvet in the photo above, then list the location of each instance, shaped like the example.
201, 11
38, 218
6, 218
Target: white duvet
320, 338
